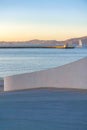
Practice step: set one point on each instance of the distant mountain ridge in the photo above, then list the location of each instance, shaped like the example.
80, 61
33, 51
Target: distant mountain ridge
83, 39
44, 43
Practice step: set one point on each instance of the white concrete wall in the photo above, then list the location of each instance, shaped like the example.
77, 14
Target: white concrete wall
73, 75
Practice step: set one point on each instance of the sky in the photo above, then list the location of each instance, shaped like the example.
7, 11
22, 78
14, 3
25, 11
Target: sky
22, 20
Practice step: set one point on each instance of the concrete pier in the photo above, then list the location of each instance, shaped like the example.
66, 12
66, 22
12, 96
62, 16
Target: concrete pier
73, 75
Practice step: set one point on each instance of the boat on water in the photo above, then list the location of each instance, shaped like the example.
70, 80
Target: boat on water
66, 46
80, 44
69, 46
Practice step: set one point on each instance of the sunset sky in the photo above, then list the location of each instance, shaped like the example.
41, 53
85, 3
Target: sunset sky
42, 19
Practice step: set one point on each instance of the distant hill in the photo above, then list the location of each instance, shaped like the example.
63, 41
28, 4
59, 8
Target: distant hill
76, 40
44, 43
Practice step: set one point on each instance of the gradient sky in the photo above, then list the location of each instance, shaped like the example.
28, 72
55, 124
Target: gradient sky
42, 19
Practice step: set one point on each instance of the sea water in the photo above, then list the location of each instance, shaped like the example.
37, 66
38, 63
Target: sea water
44, 109
18, 61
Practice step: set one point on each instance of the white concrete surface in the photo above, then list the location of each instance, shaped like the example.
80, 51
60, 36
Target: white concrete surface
73, 75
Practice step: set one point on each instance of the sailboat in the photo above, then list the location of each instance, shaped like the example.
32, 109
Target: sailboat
80, 44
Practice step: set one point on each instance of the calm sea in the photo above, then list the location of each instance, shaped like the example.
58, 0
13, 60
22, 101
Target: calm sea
46, 109
17, 61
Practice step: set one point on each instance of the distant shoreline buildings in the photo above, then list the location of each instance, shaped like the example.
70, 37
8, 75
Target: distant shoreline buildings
75, 42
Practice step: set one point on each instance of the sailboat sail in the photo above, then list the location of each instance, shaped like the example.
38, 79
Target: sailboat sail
80, 43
